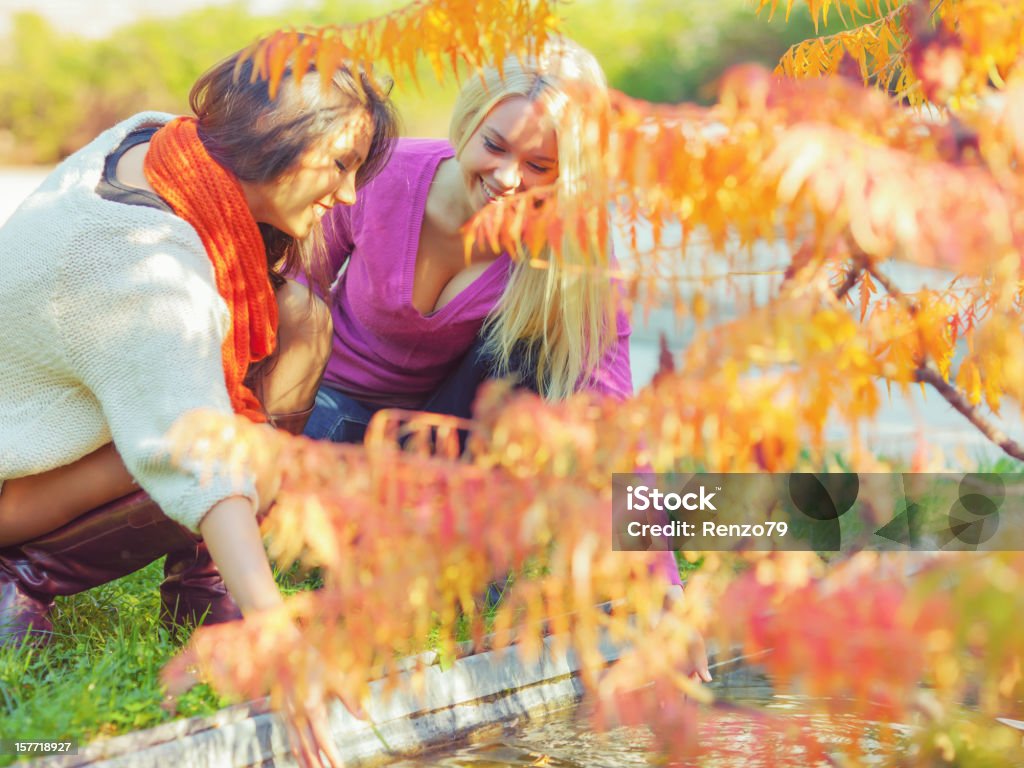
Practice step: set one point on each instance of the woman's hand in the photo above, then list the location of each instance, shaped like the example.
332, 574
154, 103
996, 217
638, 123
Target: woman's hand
305, 714
233, 538
307, 720
696, 652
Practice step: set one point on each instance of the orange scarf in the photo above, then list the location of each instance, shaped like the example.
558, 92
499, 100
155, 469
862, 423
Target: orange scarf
210, 199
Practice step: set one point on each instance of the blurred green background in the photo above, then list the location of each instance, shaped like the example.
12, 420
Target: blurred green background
58, 89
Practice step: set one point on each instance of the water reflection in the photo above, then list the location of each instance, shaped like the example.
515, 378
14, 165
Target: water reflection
735, 735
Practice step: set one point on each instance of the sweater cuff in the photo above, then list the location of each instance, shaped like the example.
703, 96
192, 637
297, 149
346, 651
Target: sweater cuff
190, 508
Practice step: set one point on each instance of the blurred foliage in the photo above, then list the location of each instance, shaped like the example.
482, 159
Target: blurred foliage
59, 90
676, 50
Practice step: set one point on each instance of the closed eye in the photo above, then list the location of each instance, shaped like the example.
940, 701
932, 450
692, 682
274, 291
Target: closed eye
490, 146
539, 168
341, 166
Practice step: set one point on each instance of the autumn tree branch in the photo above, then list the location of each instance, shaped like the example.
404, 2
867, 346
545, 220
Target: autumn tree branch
926, 373
890, 287
852, 276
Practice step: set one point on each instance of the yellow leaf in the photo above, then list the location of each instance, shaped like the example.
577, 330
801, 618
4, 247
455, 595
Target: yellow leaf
968, 378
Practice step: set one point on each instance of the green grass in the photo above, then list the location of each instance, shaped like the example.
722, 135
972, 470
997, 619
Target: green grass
100, 676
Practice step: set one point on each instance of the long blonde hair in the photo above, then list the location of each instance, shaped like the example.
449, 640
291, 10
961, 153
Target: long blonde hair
559, 317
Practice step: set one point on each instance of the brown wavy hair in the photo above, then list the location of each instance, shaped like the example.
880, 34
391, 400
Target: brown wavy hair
259, 139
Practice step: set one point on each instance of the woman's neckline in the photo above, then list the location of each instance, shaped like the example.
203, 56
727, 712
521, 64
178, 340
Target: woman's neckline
449, 166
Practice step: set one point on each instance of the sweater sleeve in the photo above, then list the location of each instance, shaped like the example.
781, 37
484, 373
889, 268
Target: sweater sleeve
141, 326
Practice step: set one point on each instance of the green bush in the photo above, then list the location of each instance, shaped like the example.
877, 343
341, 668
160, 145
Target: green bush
58, 91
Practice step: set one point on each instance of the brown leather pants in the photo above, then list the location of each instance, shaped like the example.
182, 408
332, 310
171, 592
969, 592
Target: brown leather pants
105, 544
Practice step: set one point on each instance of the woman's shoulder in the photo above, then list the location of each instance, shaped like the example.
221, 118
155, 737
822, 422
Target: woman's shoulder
66, 218
423, 148
90, 158
412, 155
411, 166
67, 196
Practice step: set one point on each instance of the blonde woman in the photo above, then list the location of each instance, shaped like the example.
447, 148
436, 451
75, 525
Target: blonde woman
417, 327
414, 325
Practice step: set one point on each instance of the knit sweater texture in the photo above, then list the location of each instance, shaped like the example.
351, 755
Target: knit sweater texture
113, 331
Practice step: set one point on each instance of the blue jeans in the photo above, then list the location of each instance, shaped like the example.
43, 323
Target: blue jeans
343, 419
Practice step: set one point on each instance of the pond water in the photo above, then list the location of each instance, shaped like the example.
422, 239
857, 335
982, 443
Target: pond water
729, 738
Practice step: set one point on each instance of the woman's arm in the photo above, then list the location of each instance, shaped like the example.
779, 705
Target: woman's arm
233, 537
145, 342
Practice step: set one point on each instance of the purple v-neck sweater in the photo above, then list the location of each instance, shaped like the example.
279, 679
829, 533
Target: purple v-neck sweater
385, 351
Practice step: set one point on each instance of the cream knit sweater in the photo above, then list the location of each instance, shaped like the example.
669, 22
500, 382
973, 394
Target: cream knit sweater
112, 329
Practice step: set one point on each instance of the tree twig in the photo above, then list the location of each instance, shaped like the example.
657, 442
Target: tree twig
852, 277
857, 267
883, 280
927, 374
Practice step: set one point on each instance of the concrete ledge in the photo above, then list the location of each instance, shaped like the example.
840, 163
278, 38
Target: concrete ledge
476, 691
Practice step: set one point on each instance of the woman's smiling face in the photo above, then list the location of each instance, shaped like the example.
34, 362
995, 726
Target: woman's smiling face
323, 177
514, 149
